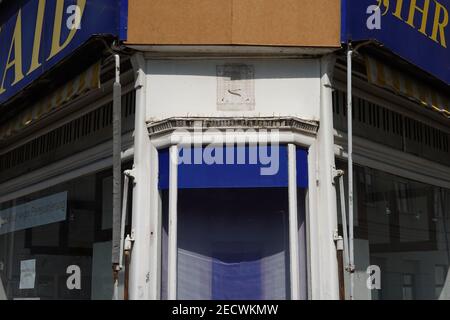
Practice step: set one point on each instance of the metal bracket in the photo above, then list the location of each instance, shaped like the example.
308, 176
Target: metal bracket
130, 173
335, 173
339, 241
128, 243
350, 269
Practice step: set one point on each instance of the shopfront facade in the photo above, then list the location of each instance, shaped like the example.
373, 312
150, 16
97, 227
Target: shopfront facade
401, 154
234, 130
55, 141
401, 147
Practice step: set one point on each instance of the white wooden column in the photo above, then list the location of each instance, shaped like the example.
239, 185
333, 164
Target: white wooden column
173, 226
293, 223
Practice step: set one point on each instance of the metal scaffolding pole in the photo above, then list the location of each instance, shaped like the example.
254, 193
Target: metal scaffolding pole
350, 168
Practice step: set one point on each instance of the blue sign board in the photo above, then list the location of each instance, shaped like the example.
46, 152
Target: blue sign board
37, 34
416, 30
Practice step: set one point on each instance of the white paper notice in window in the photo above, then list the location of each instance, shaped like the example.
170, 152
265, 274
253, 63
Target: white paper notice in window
27, 274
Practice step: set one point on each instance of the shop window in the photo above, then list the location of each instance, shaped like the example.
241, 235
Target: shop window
232, 244
233, 231
402, 226
56, 243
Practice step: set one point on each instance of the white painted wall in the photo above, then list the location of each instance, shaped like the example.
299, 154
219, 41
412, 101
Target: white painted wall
189, 88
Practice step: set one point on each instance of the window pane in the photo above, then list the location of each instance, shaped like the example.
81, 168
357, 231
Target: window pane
403, 227
232, 244
54, 244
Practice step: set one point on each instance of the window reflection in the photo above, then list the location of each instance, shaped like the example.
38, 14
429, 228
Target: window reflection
403, 227
56, 243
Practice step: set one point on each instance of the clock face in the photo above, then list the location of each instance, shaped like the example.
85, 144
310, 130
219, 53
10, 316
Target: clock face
235, 87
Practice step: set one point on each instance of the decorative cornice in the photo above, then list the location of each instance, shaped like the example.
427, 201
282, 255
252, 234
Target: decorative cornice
169, 125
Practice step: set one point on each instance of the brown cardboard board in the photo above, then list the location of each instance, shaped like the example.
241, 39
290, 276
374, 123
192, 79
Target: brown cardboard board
313, 23
286, 22
179, 21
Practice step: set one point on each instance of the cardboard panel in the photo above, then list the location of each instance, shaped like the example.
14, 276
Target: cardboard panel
179, 22
287, 22
226, 22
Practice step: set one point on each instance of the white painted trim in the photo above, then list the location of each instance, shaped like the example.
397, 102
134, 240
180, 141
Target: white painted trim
293, 223
165, 141
305, 295
312, 224
154, 255
268, 52
172, 262
324, 258
144, 221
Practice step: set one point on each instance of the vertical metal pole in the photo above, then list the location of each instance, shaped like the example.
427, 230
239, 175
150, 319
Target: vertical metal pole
126, 180
173, 224
126, 285
344, 222
117, 175
127, 250
341, 269
350, 167
293, 223
11, 256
